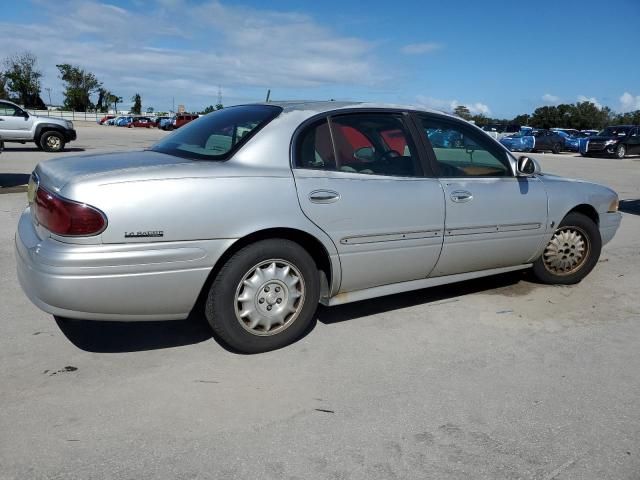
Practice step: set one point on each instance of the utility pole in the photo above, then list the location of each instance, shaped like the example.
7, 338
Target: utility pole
49, 92
219, 95
268, 95
173, 104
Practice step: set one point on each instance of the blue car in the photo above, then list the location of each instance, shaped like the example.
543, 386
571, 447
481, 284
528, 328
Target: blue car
522, 141
124, 121
571, 143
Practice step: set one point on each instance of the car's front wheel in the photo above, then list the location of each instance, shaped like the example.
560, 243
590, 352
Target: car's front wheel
571, 253
264, 297
620, 152
556, 148
52, 141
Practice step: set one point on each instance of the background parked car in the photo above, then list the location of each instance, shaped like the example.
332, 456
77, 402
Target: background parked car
537, 140
164, 122
124, 121
616, 141
141, 122
104, 119
571, 142
183, 118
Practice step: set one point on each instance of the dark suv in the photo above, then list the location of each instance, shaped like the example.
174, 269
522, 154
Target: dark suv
616, 141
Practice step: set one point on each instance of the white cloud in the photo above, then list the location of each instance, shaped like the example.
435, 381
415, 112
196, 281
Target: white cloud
475, 108
594, 100
548, 98
420, 48
629, 102
239, 48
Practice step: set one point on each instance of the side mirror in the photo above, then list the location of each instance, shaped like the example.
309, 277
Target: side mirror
528, 167
25, 114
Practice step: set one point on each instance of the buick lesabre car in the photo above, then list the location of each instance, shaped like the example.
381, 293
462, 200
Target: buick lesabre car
260, 212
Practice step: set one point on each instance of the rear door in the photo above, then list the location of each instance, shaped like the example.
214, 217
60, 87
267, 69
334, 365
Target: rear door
359, 177
493, 218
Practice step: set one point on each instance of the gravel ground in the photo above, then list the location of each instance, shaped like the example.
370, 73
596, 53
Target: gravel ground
498, 378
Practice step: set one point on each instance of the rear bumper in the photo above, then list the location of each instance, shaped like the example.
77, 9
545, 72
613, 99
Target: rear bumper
609, 224
142, 281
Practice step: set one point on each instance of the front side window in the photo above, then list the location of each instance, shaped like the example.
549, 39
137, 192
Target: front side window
8, 110
367, 143
218, 135
461, 151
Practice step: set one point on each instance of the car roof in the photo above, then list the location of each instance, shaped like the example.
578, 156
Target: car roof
320, 106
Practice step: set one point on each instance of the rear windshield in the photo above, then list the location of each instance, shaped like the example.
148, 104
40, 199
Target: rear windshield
218, 135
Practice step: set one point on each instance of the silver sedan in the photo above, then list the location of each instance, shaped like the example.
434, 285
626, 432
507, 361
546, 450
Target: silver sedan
259, 212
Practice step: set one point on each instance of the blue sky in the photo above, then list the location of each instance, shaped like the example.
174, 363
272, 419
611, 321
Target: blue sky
499, 58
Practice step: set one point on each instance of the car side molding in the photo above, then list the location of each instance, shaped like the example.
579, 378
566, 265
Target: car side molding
383, 290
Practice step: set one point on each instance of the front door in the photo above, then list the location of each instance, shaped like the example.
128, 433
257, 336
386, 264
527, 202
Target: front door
634, 142
13, 124
493, 218
360, 179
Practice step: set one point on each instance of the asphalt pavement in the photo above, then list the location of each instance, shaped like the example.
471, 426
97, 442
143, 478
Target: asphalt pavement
497, 378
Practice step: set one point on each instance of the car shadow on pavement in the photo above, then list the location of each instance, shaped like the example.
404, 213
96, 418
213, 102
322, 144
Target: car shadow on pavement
444, 293
8, 149
8, 180
119, 337
630, 206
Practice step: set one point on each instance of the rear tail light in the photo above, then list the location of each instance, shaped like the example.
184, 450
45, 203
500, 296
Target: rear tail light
66, 217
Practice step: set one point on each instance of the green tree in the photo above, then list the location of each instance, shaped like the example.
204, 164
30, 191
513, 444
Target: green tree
150, 109
522, 119
209, 109
137, 104
3, 91
79, 86
22, 79
219, 106
462, 112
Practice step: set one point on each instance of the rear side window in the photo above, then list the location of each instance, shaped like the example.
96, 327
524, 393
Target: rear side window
368, 143
218, 135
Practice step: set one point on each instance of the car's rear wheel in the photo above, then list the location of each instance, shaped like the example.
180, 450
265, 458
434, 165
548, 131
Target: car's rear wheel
571, 253
264, 297
52, 141
620, 152
556, 148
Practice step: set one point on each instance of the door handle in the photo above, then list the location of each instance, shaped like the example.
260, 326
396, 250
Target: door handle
461, 196
324, 196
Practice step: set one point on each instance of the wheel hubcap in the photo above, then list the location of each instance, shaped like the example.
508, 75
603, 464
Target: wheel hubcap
53, 142
269, 297
567, 251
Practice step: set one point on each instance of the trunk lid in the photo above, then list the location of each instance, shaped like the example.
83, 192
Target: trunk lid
56, 173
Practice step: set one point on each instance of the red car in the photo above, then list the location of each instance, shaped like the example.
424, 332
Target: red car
183, 118
105, 118
142, 122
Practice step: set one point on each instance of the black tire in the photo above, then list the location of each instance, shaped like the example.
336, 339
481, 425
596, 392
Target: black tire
573, 224
52, 141
221, 304
38, 146
620, 152
556, 148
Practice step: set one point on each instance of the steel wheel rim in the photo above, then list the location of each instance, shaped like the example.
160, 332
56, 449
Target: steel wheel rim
567, 251
269, 297
621, 151
53, 142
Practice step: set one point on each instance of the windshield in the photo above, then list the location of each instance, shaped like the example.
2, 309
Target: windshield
614, 132
217, 135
